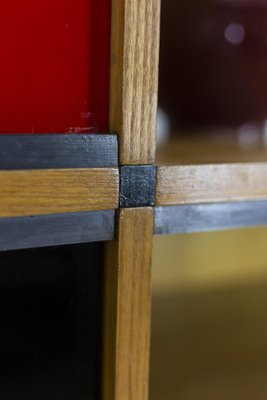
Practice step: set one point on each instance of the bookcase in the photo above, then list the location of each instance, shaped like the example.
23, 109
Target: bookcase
84, 189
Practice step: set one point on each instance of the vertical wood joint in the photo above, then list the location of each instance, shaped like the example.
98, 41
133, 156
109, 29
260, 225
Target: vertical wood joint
127, 307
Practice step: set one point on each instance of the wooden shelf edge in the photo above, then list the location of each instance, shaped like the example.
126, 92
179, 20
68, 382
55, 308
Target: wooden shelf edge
194, 184
54, 191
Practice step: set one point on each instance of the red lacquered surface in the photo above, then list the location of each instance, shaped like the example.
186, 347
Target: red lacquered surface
54, 66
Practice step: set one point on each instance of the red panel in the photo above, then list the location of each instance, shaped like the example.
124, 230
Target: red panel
54, 66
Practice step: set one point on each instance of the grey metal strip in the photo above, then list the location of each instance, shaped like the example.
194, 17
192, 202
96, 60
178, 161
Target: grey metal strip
58, 151
56, 229
209, 217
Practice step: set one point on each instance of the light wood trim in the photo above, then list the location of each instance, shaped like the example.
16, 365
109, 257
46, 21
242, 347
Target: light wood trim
127, 307
51, 191
211, 183
134, 78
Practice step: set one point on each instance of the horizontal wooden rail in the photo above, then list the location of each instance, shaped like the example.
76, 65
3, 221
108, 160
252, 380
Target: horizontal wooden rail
210, 183
53, 191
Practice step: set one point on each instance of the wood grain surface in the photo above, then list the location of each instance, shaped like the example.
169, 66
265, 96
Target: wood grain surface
51, 191
211, 183
127, 307
134, 78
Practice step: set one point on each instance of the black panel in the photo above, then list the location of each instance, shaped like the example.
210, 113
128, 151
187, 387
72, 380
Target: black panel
56, 229
209, 217
58, 151
137, 185
50, 306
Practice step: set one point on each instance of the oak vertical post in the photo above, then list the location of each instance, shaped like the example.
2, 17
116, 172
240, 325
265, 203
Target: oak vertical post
127, 280
127, 305
134, 78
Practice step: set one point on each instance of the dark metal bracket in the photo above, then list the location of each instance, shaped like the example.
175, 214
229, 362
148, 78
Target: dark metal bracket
137, 186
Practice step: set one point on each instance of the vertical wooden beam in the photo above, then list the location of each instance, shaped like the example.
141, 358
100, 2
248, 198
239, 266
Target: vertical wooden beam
134, 78
127, 307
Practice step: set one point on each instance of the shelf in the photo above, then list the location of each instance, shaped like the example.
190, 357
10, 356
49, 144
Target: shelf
212, 148
57, 189
209, 217
56, 229
28, 151
189, 196
58, 173
51, 191
210, 183
210, 168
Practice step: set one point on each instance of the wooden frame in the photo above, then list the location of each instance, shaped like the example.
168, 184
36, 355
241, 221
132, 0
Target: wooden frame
133, 110
66, 188
188, 184
34, 192
127, 307
134, 78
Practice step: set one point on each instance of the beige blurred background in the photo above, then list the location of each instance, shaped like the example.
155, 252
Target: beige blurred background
209, 317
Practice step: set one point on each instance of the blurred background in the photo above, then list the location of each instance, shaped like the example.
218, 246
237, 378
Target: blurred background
213, 62
209, 316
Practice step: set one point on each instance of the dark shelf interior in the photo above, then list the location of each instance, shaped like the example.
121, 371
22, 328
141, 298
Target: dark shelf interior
50, 301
